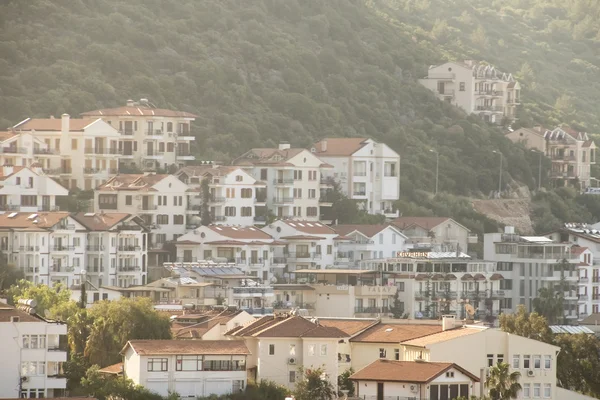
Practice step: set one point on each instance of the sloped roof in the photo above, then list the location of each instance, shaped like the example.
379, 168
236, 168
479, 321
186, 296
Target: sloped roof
287, 326
442, 336
21, 219
367, 230
310, 227
406, 371
8, 311
350, 326
240, 232
182, 330
423, 222
592, 319
53, 124
395, 333
132, 182
208, 347
15, 169
339, 146
5, 135
99, 221
115, 369
139, 110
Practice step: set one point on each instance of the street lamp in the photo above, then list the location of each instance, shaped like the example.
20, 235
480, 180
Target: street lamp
437, 169
500, 176
539, 169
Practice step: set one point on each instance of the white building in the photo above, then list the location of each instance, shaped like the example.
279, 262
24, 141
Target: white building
191, 368
436, 233
368, 242
309, 244
209, 324
27, 189
21, 148
235, 197
32, 355
257, 253
475, 87
150, 137
367, 171
159, 199
293, 177
78, 152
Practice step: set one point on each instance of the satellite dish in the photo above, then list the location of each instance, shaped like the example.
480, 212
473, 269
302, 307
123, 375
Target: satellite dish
470, 310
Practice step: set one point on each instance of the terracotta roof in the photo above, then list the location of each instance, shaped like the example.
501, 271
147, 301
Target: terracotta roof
339, 146
267, 156
226, 243
592, 319
240, 232
254, 326
366, 230
496, 277
467, 277
208, 347
99, 221
196, 329
349, 326
442, 336
302, 237
8, 311
53, 124
5, 135
21, 219
588, 143
132, 181
423, 222
406, 371
578, 249
310, 227
395, 333
200, 170
115, 369
140, 110
15, 169
284, 326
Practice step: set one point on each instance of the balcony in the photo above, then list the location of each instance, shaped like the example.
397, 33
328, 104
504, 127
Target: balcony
31, 270
29, 248
498, 294
325, 203
512, 101
260, 219
563, 174
46, 152
48, 207
129, 248
326, 183
62, 269
154, 155
128, 227
154, 134
283, 200
583, 298
391, 213
129, 268
256, 262
492, 93
283, 181
257, 310
484, 108
10, 207
303, 256
126, 132
278, 261
217, 200
185, 157
359, 193
371, 310
62, 248
447, 93
253, 291
100, 151
219, 218
13, 150
287, 305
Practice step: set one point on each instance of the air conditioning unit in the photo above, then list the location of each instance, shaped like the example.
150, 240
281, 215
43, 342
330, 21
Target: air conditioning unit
530, 373
292, 361
414, 388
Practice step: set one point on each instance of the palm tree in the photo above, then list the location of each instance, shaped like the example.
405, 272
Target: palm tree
502, 384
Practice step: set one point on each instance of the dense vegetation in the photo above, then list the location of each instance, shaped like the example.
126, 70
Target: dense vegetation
266, 71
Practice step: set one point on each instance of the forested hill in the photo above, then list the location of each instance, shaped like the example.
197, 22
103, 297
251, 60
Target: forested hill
263, 71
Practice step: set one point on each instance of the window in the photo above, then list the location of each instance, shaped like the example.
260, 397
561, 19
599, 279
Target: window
32, 368
450, 374
292, 376
360, 189
230, 211
170, 147
547, 362
389, 169
526, 390
547, 390
329, 249
297, 175
461, 87
30, 182
178, 219
311, 211
500, 359
318, 249
397, 354
516, 361
246, 211
297, 211
237, 386
271, 349
188, 363
311, 349
263, 174
323, 350
158, 364
537, 388
537, 362
490, 358
297, 193
400, 286
162, 219
292, 350
312, 193
34, 341
230, 193
246, 193
128, 200
29, 201
73, 144
239, 178
526, 361
382, 353
380, 238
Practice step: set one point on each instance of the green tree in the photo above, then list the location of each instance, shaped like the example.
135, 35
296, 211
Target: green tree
344, 382
205, 213
578, 363
48, 298
549, 304
120, 388
314, 385
503, 384
9, 274
522, 323
397, 308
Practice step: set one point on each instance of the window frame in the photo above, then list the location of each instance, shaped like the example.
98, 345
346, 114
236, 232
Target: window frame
271, 349
163, 361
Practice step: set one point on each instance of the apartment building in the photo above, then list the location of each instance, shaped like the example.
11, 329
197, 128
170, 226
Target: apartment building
368, 242
149, 138
281, 344
20, 148
436, 233
235, 197
209, 324
477, 88
79, 153
257, 253
160, 201
116, 249
367, 171
32, 354
190, 368
295, 188
533, 262
27, 189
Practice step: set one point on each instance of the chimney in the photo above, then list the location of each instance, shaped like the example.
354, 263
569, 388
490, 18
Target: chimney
65, 122
130, 103
323, 145
448, 322
284, 146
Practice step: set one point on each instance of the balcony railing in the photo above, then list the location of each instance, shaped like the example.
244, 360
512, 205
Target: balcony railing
100, 150
286, 305
29, 248
154, 132
283, 200
371, 310
46, 151
216, 199
584, 279
129, 268
10, 207
312, 256
360, 193
278, 260
61, 268
63, 248
126, 132
489, 108
260, 291
489, 92
48, 208
13, 150
283, 181
31, 270
129, 248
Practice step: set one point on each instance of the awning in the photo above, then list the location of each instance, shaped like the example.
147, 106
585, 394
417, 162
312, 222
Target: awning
496, 277
479, 277
467, 277
450, 277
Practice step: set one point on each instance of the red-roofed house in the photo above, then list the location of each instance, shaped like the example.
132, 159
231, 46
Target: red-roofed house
21, 148
439, 233
366, 170
28, 189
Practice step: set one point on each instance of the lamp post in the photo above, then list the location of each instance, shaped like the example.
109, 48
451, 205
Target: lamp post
437, 169
539, 168
500, 175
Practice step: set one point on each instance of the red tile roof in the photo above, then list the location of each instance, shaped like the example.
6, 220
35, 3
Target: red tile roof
340, 147
349, 326
239, 232
284, 326
423, 222
115, 369
310, 227
132, 182
366, 230
395, 333
141, 111
99, 221
208, 347
22, 220
406, 371
53, 124
8, 311
578, 249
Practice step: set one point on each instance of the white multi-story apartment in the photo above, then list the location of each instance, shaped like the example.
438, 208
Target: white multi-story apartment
78, 152
310, 244
477, 88
572, 153
293, 177
436, 233
32, 354
149, 137
257, 253
116, 249
27, 189
235, 197
367, 171
20, 148
367, 242
535, 262
160, 200
190, 368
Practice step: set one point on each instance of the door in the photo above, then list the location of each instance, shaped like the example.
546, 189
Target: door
127, 148
128, 128
150, 149
379, 390
453, 391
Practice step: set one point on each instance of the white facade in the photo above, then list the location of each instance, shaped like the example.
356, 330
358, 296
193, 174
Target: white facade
149, 137
27, 189
436, 233
236, 198
293, 178
21, 148
79, 153
367, 242
367, 171
477, 88
32, 358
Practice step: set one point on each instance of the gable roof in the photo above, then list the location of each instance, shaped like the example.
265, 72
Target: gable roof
395, 333
424, 222
139, 111
406, 371
443, 336
310, 227
350, 326
240, 232
99, 221
43, 220
5, 135
366, 230
52, 124
8, 311
132, 182
592, 319
340, 147
207, 347
286, 326
201, 325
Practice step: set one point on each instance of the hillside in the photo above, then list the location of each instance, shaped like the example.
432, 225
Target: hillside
264, 71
